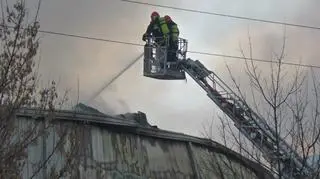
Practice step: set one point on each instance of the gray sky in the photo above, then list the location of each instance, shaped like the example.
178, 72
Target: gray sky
172, 105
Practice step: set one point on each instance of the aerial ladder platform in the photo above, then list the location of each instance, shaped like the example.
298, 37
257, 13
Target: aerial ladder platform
252, 125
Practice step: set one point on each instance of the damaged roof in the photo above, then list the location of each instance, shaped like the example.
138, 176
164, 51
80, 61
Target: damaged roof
140, 118
135, 123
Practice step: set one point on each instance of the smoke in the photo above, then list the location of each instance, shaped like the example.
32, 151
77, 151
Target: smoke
301, 43
103, 106
108, 103
95, 62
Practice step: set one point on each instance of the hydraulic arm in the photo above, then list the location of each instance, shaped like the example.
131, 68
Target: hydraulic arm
252, 125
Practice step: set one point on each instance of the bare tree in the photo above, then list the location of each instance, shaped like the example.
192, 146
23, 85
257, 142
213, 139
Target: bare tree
287, 101
19, 89
223, 166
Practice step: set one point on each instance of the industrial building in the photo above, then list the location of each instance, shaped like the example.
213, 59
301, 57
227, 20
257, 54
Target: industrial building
126, 146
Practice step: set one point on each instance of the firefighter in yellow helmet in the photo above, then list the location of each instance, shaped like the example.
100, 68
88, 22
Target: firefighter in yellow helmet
173, 38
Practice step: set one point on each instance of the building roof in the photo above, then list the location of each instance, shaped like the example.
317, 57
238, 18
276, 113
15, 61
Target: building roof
135, 123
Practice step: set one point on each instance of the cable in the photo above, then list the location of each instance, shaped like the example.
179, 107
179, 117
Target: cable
194, 52
253, 59
190, 51
225, 15
78, 36
89, 38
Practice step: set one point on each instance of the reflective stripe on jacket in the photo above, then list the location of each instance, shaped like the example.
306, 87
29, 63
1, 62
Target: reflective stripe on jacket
163, 26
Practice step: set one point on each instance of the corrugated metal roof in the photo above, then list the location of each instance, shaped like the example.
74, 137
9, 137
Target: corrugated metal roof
125, 147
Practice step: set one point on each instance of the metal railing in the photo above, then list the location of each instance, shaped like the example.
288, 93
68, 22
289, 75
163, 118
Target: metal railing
156, 54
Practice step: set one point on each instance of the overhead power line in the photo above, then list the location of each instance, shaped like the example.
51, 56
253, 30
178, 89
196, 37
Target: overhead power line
190, 51
225, 15
194, 52
253, 59
89, 38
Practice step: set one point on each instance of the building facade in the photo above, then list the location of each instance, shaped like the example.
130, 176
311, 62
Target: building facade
87, 144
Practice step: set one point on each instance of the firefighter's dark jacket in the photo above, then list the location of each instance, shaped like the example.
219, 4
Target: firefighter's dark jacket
158, 28
174, 31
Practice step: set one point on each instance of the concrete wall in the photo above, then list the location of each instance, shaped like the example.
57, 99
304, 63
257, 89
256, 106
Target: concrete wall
114, 147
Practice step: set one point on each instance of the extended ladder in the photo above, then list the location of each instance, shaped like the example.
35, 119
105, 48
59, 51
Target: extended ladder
252, 125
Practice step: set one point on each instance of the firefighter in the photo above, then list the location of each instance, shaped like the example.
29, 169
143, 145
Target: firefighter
158, 29
173, 38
